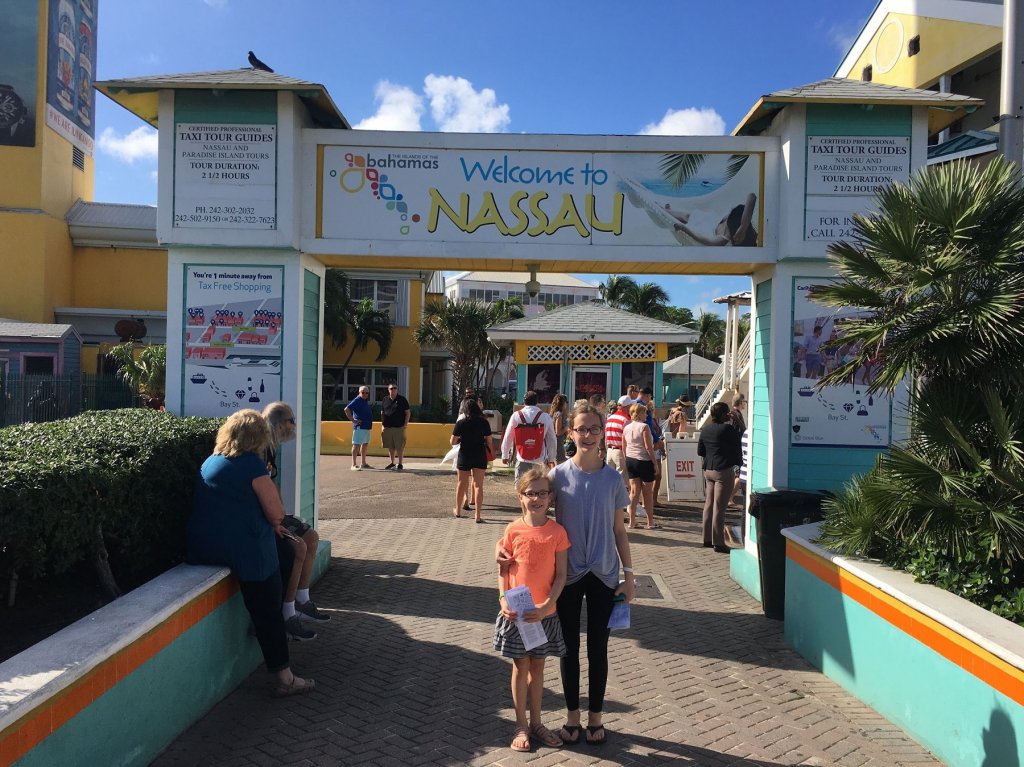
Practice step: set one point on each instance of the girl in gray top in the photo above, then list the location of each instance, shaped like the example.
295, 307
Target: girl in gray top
590, 501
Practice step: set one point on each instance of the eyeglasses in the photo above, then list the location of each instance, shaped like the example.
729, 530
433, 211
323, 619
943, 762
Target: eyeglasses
533, 494
593, 430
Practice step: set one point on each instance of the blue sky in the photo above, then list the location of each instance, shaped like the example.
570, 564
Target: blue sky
551, 66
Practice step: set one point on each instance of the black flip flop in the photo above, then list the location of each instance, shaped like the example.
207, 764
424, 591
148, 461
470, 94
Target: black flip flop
574, 731
593, 730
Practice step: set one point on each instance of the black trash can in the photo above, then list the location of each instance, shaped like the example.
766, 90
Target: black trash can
775, 510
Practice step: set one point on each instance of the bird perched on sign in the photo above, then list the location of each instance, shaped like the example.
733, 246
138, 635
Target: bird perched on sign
255, 63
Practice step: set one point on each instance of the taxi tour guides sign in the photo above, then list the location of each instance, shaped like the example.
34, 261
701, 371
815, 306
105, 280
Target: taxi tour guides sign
843, 175
225, 176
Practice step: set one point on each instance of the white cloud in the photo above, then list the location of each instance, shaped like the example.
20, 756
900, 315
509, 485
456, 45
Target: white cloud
140, 144
216, 3
687, 122
843, 36
457, 107
399, 108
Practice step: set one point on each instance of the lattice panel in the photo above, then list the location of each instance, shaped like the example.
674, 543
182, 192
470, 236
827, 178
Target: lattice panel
591, 352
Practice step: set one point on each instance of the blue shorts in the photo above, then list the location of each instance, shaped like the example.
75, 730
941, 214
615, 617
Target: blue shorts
360, 436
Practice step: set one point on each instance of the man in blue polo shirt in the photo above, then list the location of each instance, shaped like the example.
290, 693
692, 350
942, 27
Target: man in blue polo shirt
362, 421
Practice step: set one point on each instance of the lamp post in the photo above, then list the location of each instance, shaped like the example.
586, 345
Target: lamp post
689, 369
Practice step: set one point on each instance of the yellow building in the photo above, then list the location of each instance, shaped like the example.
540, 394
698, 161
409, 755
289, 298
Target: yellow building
953, 46
69, 259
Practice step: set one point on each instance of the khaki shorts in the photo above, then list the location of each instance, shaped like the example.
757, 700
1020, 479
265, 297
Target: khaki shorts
393, 437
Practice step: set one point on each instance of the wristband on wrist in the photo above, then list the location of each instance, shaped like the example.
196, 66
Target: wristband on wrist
501, 595
627, 569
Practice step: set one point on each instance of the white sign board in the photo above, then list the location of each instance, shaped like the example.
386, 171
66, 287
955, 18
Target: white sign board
683, 469
439, 195
225, 176
843, 175
233, 328
833, 416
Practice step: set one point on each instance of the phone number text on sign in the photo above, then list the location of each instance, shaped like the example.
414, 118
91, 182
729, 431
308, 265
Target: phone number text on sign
225, 176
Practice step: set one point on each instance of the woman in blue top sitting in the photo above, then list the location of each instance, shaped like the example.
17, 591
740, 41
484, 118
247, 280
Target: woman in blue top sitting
236, 516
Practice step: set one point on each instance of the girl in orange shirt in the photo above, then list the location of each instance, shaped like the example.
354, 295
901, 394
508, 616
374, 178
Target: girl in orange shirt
538, 547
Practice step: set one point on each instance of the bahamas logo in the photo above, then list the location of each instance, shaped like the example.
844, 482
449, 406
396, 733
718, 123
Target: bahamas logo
359, 175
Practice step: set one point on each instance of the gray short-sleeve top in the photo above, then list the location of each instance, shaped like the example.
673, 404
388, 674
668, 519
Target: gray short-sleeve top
585, 505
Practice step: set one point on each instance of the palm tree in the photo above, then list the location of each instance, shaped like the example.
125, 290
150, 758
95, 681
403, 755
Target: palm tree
343, 316
677, 167
502, 310
338, 306
461, 328
710, 335
613, 289
145, 372
648, 299
679, 315
939, 274
370, 324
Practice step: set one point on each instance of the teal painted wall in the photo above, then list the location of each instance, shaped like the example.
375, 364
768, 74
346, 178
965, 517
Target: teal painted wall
824, 468
254, 107
953, 713
310, 395
743, 568
136, 719
760, 423
858, 120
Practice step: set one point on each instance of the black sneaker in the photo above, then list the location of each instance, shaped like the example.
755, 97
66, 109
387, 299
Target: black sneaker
308, 611
389, 467
400, 467
297, 631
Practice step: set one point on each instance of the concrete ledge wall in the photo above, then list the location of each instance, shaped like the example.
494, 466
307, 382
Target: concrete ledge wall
423, 440
120, 684
948, 672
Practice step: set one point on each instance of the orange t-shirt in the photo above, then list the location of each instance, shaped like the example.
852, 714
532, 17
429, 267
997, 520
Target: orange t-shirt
533, 552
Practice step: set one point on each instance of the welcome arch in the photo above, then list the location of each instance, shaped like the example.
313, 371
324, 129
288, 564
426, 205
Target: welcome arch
263, 185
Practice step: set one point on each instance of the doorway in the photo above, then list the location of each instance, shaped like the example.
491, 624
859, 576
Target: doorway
590, 380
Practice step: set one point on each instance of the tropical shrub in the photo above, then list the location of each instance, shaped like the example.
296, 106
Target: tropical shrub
939, 275
115, 483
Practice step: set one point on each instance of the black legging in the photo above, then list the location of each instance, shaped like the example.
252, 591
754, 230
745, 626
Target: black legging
263, 601
599, 609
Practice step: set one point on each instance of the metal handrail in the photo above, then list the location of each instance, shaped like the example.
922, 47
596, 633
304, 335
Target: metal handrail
714, 388
710, 394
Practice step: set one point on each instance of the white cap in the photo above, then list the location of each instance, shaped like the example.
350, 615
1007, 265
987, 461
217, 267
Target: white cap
625, 399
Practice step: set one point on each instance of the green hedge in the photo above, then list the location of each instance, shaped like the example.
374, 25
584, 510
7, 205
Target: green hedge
128, 474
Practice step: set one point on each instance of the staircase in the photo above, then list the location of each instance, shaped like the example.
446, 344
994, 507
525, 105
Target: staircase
731, 376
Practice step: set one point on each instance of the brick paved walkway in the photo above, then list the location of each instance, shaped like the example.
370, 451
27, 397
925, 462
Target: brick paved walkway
406, 675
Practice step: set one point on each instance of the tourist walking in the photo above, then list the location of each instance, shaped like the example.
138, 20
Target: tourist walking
472, 434
679, 415
590, 501
236, 514
559, 412
642, 464
537, 547
613, 427
361, 415
394, 418
719, 446
530, 436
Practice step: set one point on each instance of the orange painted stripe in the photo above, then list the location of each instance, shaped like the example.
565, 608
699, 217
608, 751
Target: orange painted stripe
975, 660
52, 714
